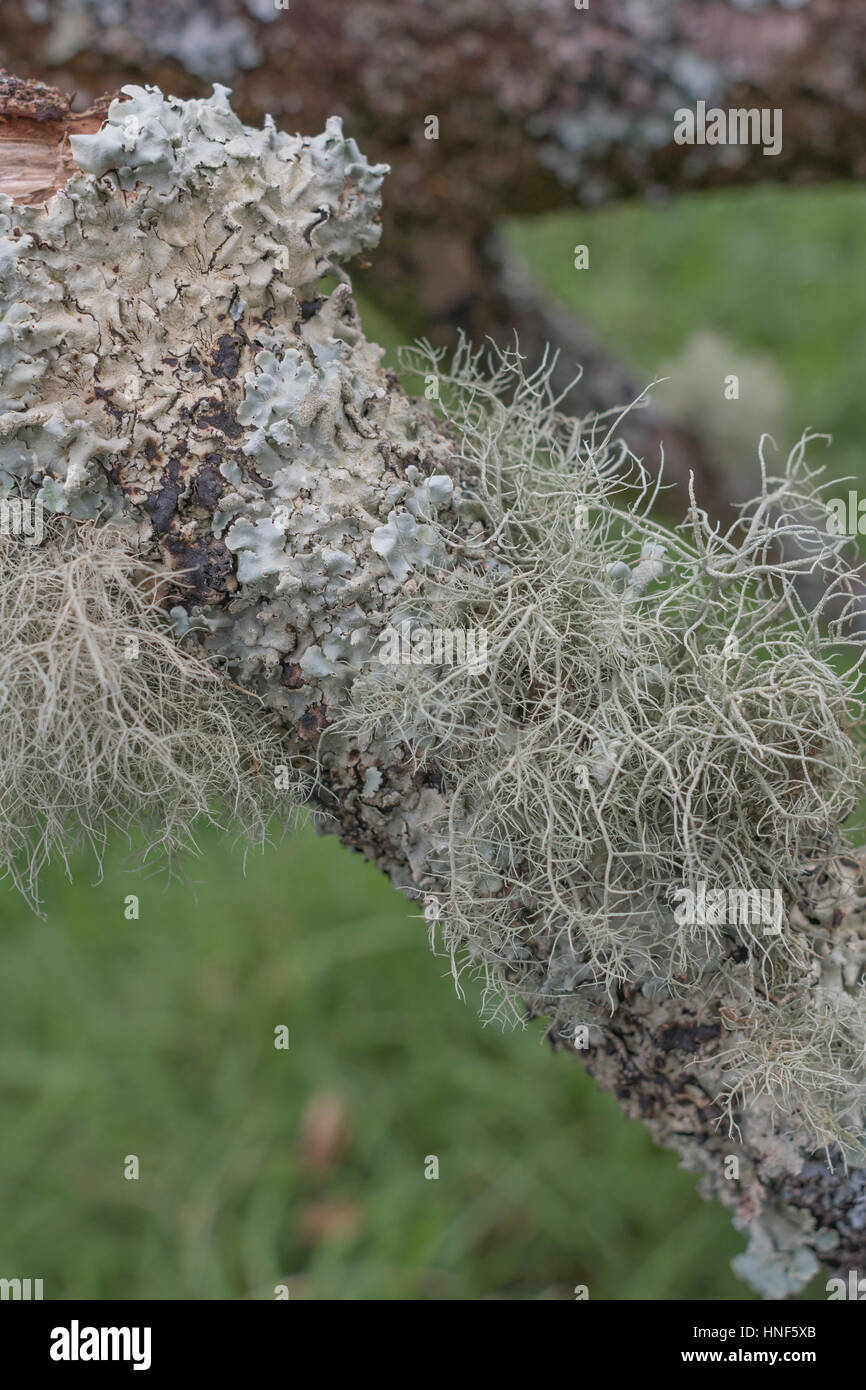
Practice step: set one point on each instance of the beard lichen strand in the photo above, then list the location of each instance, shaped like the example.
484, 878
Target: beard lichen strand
657, 708
768, 1036
107, 724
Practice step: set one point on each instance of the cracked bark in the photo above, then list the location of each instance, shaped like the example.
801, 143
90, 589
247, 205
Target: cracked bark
167, 477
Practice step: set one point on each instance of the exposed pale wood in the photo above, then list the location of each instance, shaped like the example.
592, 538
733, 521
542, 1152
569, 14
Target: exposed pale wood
35, 124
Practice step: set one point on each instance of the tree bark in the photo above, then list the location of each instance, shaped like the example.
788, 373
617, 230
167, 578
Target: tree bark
173, 367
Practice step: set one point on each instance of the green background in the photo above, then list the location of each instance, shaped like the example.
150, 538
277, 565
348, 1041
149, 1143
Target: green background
306, 1167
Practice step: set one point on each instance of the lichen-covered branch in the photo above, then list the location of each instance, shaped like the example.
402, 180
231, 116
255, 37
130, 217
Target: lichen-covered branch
632, 713
538, 104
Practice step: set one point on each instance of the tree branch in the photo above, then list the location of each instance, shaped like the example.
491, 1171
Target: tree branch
173, 369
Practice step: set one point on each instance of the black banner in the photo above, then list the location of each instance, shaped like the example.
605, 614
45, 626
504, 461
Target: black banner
81, 1340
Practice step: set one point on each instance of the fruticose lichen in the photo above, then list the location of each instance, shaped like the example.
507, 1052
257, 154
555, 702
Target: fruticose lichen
658, 711
107, 724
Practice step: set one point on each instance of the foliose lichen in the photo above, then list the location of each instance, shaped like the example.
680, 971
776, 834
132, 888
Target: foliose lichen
173, 367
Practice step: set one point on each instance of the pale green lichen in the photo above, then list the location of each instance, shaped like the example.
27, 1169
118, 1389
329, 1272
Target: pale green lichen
107, 725
656, 709
684, 677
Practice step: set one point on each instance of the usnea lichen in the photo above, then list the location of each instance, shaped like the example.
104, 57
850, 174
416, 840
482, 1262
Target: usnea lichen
107, 724
658, 712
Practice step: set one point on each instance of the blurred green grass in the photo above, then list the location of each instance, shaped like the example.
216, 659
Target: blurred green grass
775, 271
154, 1037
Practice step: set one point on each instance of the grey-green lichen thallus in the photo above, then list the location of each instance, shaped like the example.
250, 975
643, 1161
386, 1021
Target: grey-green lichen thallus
228, 473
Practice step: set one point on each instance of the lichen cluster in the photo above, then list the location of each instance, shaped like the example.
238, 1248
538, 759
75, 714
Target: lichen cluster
107, 725
657, 711
172, 367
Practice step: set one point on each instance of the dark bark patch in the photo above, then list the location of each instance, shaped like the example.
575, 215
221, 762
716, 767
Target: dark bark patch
209, 484
161, 506
226, 357
292, 677
680, 1036
209, 566
312, 722
212, 413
